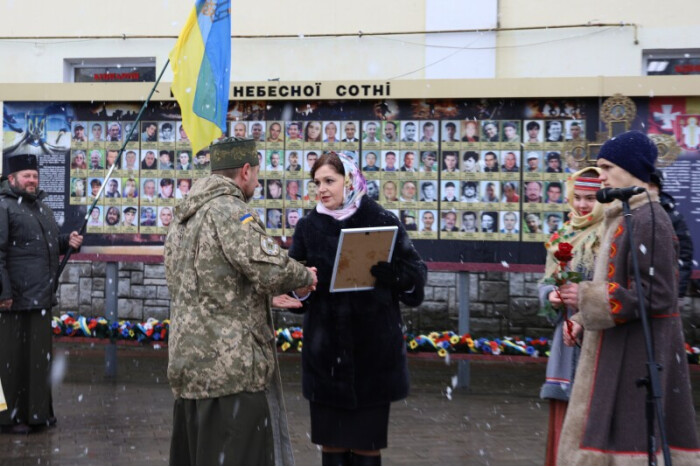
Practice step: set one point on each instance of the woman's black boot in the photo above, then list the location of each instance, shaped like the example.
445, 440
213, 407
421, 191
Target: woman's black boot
360, 459
336, 458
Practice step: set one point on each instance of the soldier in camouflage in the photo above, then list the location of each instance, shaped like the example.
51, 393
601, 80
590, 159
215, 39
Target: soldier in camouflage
222, 271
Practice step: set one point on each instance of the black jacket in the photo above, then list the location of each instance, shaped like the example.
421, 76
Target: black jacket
354, 352
685, 264
30, 244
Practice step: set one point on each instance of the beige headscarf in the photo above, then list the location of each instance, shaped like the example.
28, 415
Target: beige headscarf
580, 231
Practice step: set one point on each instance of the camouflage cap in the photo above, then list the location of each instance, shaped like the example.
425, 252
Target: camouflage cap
232, 153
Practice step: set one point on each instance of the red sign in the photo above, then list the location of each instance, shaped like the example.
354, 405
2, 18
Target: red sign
117, 76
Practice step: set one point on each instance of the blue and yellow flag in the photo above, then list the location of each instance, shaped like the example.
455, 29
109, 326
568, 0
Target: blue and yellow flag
201, 61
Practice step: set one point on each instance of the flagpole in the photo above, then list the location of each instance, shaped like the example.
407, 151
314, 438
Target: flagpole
116, 163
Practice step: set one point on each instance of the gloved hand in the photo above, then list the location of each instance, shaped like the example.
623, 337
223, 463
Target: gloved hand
388, 276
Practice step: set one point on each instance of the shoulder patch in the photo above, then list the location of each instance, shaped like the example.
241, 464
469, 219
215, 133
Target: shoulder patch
269, 246
246, 218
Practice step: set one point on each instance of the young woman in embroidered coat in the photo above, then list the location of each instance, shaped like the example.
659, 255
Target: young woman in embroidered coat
581, 231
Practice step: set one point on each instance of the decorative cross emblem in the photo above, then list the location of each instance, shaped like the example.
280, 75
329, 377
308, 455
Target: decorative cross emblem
667, 117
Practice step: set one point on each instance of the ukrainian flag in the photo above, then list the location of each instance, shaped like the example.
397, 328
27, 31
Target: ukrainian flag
201, 61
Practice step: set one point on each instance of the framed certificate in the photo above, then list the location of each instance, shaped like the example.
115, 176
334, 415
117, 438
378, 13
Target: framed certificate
358, 251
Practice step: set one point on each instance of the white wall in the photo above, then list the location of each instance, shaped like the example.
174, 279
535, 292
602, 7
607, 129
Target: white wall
591, 51
544, 53
297, 58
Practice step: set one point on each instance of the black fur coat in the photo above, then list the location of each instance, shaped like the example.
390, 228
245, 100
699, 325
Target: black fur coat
354, 354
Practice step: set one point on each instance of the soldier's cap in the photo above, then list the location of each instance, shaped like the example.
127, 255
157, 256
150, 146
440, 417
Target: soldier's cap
233, 153
130, 209
20, 162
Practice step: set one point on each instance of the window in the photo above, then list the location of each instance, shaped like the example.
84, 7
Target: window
671, 62
109, 70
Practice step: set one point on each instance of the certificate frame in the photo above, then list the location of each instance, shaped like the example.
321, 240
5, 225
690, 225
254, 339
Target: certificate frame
358, 250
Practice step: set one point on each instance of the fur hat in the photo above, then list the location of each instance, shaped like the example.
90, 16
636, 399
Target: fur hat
633, 151
21, 162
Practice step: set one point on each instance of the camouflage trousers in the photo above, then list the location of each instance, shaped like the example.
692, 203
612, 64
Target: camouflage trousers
229, 430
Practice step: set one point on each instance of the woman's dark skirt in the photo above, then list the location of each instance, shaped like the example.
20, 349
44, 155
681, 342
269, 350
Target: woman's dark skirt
363, 428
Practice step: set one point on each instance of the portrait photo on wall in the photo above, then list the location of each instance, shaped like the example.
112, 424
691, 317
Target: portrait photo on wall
489, 222
114, 132
490, 131
470, 131
511, 131
510, 192
389, 161
532, 161
275, 133
489, 161
533, 131
78, 132
330, 132
409, 161
449, 191
470, 222
429, 131
238, 129
450, 161
96, 132
257, 131
554, 131
448, 221
350, 132
166, 132
312, 132
369, 161
149, 132
390, 192
274, 161
510, 221
470, 192
370, 132
409, 132
450, 131
428, 191
428, 161
427, 220
390, 132
470, 162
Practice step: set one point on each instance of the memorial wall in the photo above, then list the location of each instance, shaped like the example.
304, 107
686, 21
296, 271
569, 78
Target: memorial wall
473, 180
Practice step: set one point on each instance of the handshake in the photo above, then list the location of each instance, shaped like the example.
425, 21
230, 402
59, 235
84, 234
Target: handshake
303, 291
286, 301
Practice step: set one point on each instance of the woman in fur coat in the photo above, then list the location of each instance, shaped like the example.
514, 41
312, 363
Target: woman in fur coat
354, 356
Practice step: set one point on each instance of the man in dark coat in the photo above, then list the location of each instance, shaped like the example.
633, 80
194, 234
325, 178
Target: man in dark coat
30, 244
685, 241
605, 421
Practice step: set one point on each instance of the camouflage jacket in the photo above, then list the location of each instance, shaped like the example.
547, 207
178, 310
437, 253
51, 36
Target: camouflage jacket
222, 270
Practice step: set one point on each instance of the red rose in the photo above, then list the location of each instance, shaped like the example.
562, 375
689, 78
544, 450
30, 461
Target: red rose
564, 254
